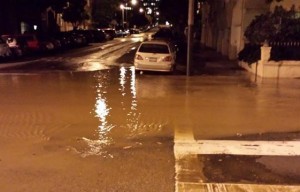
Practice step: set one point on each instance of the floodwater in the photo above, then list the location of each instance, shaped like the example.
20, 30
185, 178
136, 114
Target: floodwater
113, 130
83, 131
236, 105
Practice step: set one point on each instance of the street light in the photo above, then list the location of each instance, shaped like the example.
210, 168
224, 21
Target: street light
122, 7
133, 2
141, 10
149, 11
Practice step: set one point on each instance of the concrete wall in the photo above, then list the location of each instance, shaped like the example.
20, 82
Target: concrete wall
272, 69
225, 22
233, 17
236, 36
216, 25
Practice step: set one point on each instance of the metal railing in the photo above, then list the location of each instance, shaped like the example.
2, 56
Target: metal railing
285, 50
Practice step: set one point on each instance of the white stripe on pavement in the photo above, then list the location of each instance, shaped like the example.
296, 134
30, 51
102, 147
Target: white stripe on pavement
228, 187
189, 176
232, 147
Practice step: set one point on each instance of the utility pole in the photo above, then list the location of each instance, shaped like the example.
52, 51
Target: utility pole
190, 37
122, 7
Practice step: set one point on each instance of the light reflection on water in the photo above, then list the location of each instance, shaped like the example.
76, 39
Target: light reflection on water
133, 116
133, 89
112, 107
108, 114
101, 111
122, 80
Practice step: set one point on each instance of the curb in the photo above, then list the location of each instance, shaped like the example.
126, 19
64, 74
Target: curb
228, 187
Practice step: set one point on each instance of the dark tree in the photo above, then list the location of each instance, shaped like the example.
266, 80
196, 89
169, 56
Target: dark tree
174, 11
58, 5
104, 11
30, 10
75, 12
138, 20
280, 25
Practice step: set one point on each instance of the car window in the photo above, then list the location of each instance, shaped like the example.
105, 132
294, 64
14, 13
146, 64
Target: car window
154, 48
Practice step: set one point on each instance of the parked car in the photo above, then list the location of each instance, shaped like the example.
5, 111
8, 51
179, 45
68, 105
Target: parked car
134, 31
4, 49
111, 32
155, 55
17, 45
64, 38
122, 32
169, 34
99, 36
88, 35
32, 42
165, 34
77, 39
48, 43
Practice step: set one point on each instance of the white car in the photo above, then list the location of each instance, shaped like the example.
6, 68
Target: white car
155, 55
4, 49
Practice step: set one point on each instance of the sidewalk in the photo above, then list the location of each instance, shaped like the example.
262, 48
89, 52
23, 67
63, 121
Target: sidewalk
207, 61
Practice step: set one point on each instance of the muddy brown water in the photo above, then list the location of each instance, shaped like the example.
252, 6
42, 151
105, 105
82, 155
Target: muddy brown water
113, 130
74, 131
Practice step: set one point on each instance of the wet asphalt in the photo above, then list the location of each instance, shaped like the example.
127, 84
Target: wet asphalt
136, 115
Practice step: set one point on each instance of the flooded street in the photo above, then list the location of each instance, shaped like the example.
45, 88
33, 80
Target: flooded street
82, 132
114, 129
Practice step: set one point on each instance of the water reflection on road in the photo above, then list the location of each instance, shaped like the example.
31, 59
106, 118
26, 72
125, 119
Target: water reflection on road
115, 108
58, 125
128, 119
111, 106
120, 116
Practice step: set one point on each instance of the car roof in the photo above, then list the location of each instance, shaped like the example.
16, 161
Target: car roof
107, 29
162, 42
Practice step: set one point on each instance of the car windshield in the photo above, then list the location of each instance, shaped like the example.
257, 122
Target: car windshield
154, 48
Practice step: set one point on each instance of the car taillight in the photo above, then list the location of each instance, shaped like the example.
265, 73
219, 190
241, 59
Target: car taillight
138, 57
168, 58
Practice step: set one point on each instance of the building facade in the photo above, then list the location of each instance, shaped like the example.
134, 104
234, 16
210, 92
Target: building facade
15, 19
151, 8
65, 26
224, 22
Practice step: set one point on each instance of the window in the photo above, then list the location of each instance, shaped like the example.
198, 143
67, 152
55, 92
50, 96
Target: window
154, 48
